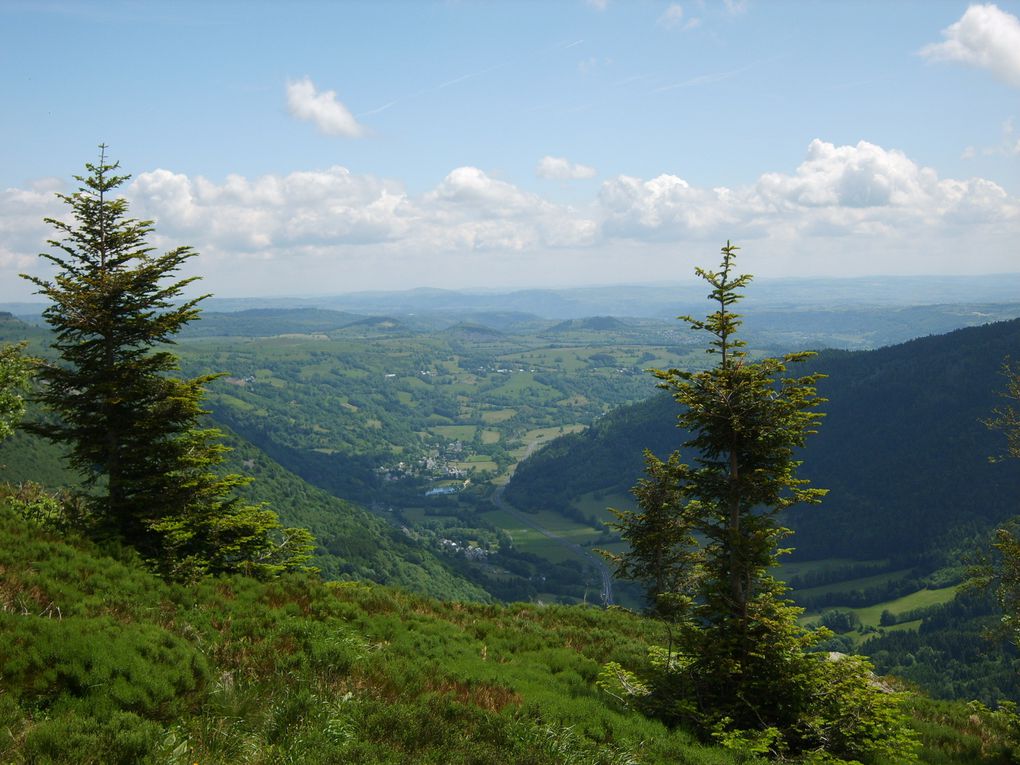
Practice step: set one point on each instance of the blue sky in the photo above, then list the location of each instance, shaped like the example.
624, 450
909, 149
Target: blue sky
310, 148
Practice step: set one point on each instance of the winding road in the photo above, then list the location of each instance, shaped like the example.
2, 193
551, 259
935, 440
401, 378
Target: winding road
607, 577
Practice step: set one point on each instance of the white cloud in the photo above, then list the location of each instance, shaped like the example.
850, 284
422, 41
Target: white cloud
333, 210
22, 231
666, 207
840, 191
323, 109
560, 169
471, 210
598, 5
986, 37
273, 213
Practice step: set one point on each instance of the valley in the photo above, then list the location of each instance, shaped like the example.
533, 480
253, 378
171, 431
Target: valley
488, 447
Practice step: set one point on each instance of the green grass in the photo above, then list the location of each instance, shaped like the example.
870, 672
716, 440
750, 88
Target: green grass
920, 599
870, 615
219, 398
295, 670
538, 437
598, 508
529, 539
521, 383
847, 585
787, 570
477, 464
493, 416
455, 432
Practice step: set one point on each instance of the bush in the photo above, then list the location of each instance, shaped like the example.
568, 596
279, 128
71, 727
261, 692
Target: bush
113, 666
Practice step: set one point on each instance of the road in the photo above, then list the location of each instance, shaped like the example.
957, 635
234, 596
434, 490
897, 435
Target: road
607, 577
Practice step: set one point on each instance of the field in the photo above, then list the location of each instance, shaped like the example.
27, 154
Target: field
848, 585
869, 616
596, 506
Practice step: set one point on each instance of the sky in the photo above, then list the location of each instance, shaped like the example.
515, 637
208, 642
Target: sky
322, 148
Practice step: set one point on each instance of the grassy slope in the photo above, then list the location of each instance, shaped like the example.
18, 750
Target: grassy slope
100, 662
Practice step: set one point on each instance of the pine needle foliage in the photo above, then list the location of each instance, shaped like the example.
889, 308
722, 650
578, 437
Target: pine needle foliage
14, 373
131, 426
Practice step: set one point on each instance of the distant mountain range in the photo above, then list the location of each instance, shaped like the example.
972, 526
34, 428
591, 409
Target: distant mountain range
856, 313
663, 300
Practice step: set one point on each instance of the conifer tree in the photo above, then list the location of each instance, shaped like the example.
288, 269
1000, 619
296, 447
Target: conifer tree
662, 550
131, 426
741, 669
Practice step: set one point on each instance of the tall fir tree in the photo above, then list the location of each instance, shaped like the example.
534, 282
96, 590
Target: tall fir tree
131, 426
741, 669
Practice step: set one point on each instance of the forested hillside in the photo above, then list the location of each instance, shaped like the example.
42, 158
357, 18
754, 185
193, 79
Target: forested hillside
902, 449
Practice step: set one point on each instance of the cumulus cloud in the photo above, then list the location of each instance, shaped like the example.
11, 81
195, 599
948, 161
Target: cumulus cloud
986, 37
665, 207
469, 209
274, 212
862, 190
598, 5
323, 109
560, 169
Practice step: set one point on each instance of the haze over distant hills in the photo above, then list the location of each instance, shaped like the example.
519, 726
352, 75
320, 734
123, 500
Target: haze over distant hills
662, 300
860, 313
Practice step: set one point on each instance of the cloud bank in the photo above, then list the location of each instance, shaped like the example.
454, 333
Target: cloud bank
845, 210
